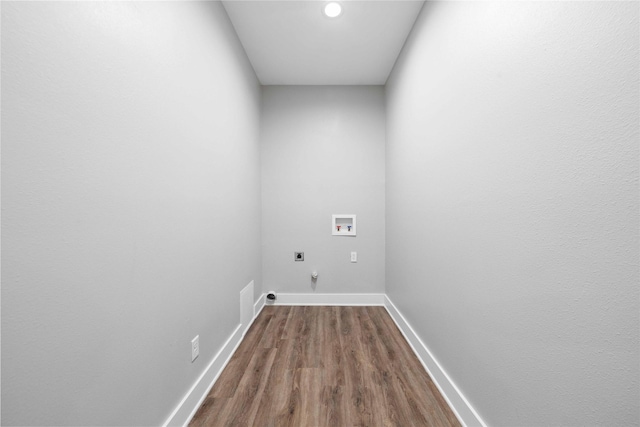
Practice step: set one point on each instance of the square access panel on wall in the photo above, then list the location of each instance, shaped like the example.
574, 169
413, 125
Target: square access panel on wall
343, 225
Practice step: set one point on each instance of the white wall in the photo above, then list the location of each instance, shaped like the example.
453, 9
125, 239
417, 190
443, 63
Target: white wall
131, 200
322, 154
512, 205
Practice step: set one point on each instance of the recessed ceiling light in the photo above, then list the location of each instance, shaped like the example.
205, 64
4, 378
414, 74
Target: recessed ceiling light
332, 9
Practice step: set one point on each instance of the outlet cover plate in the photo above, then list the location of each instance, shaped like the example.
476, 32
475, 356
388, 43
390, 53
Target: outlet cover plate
195, 348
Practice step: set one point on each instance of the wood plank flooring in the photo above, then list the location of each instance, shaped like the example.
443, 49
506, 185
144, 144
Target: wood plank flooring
324, 366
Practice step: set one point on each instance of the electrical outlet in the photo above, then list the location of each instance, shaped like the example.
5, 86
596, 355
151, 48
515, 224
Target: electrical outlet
354, 256
195, 347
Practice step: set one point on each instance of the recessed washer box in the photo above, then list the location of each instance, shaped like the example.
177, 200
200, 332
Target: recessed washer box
343, 225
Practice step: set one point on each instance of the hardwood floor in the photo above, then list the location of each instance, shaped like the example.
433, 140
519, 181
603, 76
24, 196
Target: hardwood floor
324, 366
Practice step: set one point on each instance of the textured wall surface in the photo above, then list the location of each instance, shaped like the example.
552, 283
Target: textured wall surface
322, 154
130, 205
512, 205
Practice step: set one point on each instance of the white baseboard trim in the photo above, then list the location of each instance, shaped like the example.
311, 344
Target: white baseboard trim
190, 403
330, 299
454, 397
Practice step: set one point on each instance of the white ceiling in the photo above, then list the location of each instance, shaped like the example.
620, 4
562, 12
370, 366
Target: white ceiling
293, 43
